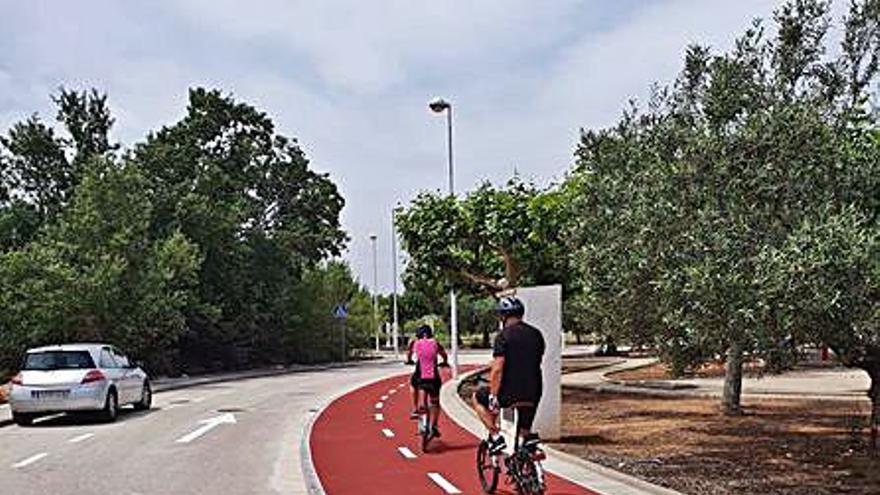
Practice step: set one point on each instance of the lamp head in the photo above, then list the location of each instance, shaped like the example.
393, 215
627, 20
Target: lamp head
438, 105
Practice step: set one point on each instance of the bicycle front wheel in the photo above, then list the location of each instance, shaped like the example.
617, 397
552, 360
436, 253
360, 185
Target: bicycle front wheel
529, 481
486, 468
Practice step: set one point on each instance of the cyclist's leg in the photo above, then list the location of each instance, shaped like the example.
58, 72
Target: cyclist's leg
481, 405
414, 389
525, 415
434, 398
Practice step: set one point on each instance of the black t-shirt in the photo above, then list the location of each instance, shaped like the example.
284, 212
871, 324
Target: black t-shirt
522, 346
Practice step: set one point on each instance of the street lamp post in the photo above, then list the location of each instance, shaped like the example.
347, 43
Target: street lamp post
375, 290
394, 325
439, 105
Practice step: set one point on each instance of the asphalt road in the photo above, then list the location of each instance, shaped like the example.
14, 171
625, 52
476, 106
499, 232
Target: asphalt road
187, 444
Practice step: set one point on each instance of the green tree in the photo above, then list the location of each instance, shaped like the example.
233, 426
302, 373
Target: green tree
246, 196
682, 201
509, 233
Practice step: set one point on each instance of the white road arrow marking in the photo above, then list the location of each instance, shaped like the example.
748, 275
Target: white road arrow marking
207, 425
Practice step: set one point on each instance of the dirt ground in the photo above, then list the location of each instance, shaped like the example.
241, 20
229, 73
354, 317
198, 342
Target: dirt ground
778, 447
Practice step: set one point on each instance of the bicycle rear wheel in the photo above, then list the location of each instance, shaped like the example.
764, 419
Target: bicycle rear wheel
486, 469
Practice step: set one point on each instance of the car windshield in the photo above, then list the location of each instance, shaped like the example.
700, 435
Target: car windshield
58, 360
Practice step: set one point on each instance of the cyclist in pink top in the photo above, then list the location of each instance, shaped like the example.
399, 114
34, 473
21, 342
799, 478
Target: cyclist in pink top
426, 378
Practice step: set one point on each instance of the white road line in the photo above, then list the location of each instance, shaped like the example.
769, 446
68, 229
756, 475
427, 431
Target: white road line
48, 418
379, 405
198, 399
406, 453
81, 438
444, 484
384, 397
401, 385
392, 391
30, 460
388, 433
380, 417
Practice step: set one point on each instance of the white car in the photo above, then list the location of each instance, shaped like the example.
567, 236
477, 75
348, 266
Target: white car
77, 378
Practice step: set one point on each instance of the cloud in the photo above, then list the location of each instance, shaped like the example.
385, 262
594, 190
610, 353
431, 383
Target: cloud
351, 78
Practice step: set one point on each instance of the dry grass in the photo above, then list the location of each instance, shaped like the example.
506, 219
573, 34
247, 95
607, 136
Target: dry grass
780, 447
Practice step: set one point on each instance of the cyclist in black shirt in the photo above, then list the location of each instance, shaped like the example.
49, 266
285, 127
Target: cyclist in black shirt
515, 379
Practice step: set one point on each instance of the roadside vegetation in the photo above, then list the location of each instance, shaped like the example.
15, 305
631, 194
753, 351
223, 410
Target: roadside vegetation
733, 216
204, 246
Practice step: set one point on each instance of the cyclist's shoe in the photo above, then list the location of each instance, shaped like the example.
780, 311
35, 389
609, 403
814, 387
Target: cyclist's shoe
531, 441
497, 445
435, 432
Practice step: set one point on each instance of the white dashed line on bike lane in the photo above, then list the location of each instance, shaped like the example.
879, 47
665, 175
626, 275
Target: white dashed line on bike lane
379, 417
443, 483
406, 453
379, 405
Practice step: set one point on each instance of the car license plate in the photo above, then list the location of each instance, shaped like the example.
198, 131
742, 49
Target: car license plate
50, 394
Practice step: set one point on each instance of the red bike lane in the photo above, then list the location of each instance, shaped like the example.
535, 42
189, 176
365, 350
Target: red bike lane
365, 443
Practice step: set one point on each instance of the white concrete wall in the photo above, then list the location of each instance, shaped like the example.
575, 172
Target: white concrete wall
544, 311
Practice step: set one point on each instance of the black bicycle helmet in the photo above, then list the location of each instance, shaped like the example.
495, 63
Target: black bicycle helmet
424, 332
510, 306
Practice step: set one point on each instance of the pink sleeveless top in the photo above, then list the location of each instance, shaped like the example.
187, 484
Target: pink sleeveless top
426, 352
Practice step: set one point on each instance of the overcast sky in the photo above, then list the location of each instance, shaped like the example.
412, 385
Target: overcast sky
351, 78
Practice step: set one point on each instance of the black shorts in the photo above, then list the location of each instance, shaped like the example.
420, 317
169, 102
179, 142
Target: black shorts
525, 412
430, 385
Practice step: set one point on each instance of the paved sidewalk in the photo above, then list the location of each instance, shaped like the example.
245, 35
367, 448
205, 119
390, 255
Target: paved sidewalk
818, 384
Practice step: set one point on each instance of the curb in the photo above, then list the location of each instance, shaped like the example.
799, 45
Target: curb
600, 478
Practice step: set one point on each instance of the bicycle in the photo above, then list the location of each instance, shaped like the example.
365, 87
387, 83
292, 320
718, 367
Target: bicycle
424, 424
524, 469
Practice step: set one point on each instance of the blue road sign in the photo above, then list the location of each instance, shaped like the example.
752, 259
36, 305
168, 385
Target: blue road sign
340, 311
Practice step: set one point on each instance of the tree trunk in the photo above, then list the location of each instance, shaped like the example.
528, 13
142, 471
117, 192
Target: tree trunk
874, 394
731, 401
